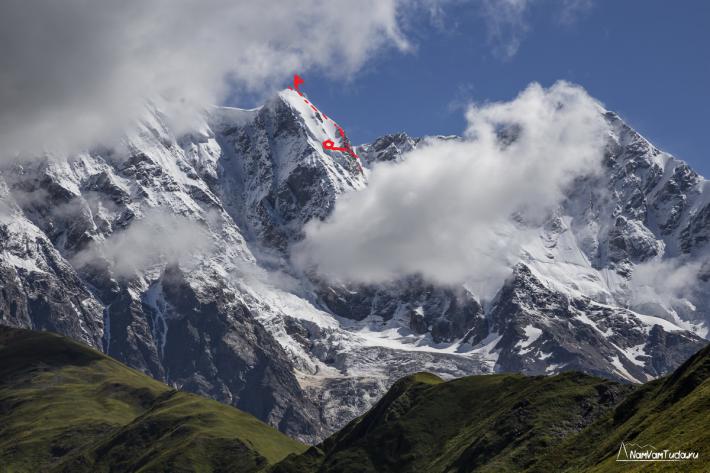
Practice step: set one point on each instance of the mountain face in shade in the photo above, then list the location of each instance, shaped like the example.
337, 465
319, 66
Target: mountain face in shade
170, 253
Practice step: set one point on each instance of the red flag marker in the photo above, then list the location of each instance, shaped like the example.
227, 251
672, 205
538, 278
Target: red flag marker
297, 81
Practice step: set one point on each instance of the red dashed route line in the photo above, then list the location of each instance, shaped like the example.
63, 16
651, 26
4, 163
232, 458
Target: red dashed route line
328, 144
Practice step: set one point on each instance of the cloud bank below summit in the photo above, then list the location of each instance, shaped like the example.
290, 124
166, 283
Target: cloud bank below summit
446, 211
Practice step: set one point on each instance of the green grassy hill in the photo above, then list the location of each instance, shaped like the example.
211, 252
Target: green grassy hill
487, 423
671, 412
67, 408
498, 423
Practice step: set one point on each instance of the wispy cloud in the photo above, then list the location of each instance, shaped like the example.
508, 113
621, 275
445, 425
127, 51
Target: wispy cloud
678, 285
159, 237
507, 21
507, 25
572, 10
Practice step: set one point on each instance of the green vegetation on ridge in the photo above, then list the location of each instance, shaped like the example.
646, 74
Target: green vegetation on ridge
671, 412
508, 422
480, 423
66, 407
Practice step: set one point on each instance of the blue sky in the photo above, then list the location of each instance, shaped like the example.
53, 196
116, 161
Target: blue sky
647, 60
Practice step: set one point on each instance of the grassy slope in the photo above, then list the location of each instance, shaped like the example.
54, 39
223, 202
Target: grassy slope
497, 423
672, 412
487, 423
69, 407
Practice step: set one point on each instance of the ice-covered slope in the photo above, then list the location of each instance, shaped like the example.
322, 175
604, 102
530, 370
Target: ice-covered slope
171, 254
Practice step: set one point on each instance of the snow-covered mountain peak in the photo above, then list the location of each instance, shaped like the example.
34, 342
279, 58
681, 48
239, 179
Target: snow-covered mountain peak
93, 246
389, 147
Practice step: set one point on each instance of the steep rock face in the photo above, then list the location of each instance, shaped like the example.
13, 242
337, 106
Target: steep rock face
646, 204
111, 228
274, 175
543, 331
38, 288
217, 349
447, 313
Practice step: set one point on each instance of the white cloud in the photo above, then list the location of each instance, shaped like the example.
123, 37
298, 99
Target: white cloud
676, 284
507, 25
668, 279
572, 10
157, 238
75, 72
507, 20
445, 211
